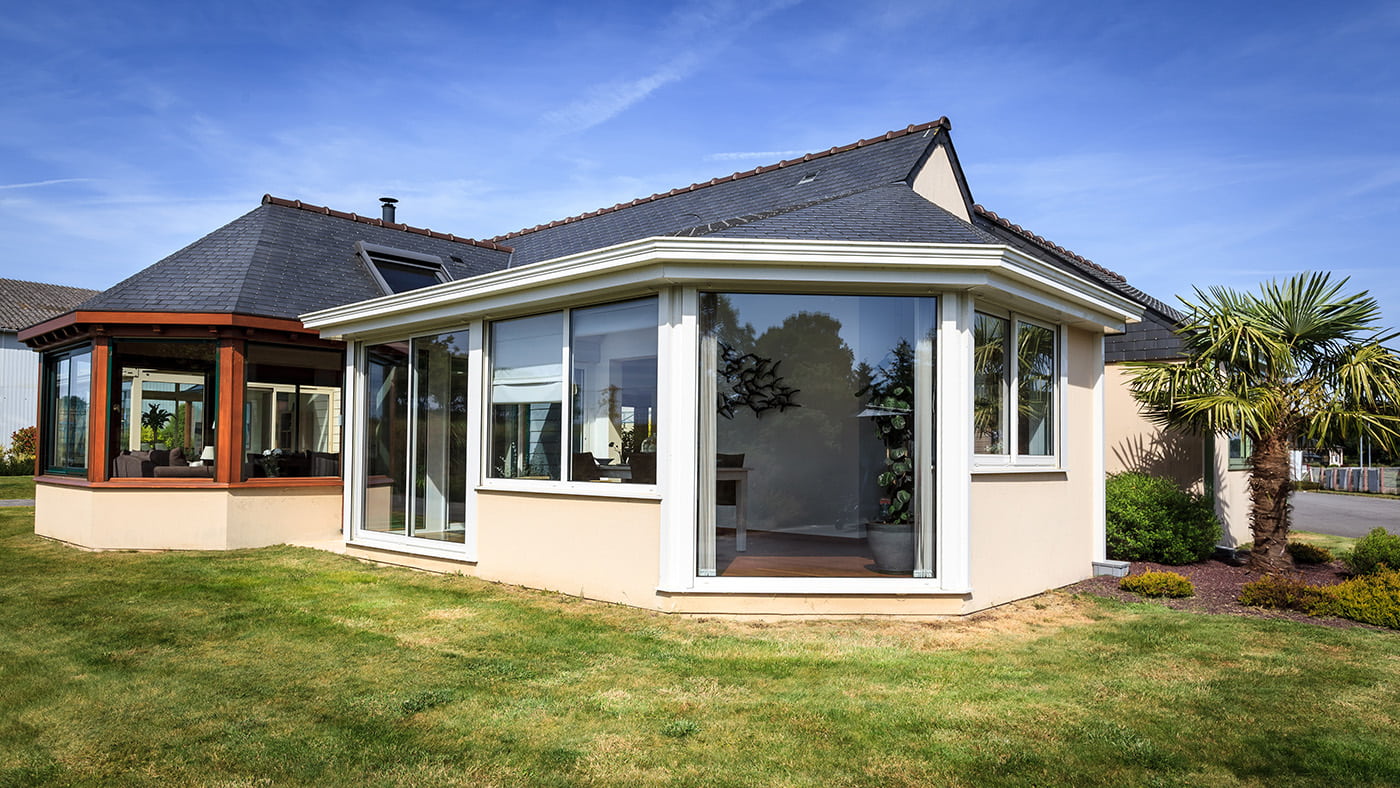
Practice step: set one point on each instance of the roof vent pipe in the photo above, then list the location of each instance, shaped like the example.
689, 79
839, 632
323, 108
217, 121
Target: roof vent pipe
388, 208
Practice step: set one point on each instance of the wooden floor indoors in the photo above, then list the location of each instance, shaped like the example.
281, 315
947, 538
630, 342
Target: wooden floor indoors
776, 554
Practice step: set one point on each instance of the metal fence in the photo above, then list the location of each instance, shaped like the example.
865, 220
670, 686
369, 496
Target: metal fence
1374, 480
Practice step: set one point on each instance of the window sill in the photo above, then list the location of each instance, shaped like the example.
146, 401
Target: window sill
407, 545
841, 586
993, 470
645, 492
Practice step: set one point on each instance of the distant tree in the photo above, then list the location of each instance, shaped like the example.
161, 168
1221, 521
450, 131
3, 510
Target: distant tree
1300, 359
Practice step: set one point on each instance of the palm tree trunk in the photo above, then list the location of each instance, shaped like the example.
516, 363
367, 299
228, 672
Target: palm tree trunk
1269, 487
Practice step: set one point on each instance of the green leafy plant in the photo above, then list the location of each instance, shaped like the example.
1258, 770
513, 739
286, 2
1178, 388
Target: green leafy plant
891, 409
1298, 359
1375, 551
1304, 553
24, 442
1168, 584
1151, 519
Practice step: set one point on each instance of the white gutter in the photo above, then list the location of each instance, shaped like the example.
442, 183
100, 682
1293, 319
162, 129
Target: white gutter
663, 261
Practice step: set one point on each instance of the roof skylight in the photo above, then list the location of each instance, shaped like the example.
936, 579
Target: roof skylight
398, 271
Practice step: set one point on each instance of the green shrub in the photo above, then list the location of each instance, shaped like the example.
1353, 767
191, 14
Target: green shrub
1373, 551
1306, 484
1284, 593
1158, 584
1371, 599
1151, 519
16, 466
1305, 553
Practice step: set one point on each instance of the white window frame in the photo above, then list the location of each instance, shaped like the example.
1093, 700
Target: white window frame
1011, 461
680, 542
565, 486
355, 477
372, 254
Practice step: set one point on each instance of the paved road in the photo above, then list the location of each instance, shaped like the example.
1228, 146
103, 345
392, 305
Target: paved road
17, 502
1344, 515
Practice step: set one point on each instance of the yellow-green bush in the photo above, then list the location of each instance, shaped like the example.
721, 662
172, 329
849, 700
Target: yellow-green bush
1371, 599
1284, 593
1158, 584
1305, 553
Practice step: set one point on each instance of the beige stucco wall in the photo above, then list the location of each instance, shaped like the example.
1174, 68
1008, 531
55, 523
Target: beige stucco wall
600, 548
1231, 497
185, 519
1034, 531
1136, 444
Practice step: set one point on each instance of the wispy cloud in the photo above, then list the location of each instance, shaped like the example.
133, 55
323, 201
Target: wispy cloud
51, 182
718, 22
609, 100
757, 154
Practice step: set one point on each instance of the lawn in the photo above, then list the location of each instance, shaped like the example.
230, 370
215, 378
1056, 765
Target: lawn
1336, 544
287, 666
16, 487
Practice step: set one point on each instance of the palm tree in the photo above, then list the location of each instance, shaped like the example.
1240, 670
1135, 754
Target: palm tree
1298, 360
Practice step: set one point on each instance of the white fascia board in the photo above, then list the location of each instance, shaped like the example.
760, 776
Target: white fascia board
656, 262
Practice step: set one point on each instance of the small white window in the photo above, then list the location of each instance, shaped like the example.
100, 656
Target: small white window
1014, 393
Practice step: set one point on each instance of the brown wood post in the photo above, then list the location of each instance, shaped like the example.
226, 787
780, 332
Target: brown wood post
100, 410
228, 431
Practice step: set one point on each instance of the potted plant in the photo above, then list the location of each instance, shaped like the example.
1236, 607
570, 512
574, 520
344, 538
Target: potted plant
155, 418
891, 409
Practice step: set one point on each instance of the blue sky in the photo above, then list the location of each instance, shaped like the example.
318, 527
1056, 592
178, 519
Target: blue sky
1177, 143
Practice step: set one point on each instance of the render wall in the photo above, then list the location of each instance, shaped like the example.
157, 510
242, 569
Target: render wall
1036, 530
108, 518
1136, 444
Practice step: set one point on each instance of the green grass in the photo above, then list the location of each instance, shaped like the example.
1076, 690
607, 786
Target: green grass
1337, 544
16, 487
286, 666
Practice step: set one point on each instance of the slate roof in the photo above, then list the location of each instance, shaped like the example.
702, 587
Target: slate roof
24, 303
876, 162
286, 258
283, 259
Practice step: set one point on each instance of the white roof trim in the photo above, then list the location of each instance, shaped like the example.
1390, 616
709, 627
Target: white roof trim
651, 263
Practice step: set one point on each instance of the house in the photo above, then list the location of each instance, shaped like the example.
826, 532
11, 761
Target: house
833, 385
1215, 465
21, 304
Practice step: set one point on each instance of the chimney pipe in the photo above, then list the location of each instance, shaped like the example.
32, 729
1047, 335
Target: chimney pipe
388, 208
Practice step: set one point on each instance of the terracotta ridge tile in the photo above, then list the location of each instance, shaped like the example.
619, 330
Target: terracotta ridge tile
268, 199
1054, 247
942, 124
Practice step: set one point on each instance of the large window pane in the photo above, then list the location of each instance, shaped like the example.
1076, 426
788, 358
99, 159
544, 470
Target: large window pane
166, 392
67, 397
527, 396
291, 411
990, 375
1035, 390
386, 438
440, 437
809, 464
613, 350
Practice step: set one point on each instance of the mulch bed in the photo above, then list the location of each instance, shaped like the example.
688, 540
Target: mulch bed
1218, 590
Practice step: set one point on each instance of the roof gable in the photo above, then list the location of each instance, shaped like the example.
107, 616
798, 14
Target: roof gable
879, 161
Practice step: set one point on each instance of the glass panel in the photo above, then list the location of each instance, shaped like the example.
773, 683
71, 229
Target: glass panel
527, 396
166, 424
1035, 390
613, 349
401, 278
386, 437
291, 411
440, 437
989, 393
813, 423
67, 397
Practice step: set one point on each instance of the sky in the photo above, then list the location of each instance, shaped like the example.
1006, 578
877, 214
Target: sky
1183, 144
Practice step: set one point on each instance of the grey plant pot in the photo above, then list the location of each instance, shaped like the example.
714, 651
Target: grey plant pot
892, 545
